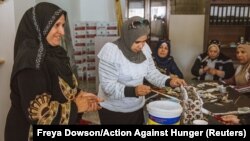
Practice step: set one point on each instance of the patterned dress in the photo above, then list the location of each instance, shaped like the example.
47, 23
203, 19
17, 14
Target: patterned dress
42, 84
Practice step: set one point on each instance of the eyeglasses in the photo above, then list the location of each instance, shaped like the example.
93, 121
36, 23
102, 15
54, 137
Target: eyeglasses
136, 24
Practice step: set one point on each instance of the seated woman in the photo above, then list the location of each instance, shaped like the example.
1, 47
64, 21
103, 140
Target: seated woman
241, 78
163, 61
213, 65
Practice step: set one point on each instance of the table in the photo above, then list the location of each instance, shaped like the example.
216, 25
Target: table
239, 100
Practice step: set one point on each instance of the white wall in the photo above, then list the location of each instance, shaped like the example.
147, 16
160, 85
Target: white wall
186, 34
11, 12
20, 7
104, 10
70, 6
7, 34
88, 10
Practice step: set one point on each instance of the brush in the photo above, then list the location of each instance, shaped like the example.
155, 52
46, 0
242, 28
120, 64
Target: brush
171, 97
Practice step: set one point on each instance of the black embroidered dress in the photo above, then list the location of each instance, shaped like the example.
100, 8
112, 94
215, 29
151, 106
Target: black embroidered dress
42, 84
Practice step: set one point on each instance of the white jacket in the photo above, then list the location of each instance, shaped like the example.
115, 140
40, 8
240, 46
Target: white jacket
116, 72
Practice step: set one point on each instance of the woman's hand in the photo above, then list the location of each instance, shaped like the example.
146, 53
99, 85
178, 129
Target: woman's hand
230, 120
176, 82
142, 90
87, 102
212, 71
206, 69
173, 76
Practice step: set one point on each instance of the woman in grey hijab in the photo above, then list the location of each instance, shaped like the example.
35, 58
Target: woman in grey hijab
123, 66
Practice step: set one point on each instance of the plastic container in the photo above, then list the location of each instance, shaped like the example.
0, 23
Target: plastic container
200, 122
164, 112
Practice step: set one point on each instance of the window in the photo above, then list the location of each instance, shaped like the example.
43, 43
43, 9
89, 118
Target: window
184, 7
156, 11
136, 8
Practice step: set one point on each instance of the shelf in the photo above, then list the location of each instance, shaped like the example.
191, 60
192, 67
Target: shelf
225, 26
227, 34
228, 25
230, 2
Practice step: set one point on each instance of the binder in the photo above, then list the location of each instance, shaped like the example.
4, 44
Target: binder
241, 15
232, 17
228, 14
246, 9
237, 14
215, 14
248, 16
211, 17
224, 14
219, 20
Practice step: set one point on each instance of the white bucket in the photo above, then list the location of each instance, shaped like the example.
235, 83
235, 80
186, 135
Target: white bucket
164, 112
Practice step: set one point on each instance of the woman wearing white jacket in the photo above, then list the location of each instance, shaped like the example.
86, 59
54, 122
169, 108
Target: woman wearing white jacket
123, 66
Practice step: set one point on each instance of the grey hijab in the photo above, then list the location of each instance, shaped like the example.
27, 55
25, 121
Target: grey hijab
129, 36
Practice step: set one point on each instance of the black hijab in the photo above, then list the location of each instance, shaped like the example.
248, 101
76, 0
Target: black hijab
163, 62
129, 36
31, 46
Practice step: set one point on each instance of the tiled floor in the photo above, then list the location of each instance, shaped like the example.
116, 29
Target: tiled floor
92, 116
90, 86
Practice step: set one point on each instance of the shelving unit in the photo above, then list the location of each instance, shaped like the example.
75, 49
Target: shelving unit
158, 14
227, 21
84, 49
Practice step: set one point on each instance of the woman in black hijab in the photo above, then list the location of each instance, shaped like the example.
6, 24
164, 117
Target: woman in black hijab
43, 88
164, 61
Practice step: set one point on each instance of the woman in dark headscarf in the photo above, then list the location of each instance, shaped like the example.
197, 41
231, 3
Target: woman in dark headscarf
163, 61
212, 64
123, 66
43, 88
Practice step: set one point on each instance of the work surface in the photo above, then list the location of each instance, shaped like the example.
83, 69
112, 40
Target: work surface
218, 101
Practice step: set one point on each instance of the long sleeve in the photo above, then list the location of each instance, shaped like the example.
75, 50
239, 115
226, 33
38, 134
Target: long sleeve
228, 68
118, 77
40, 104
196, 67
230, 81
244, 87
175, 70
240, 88
109, 80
